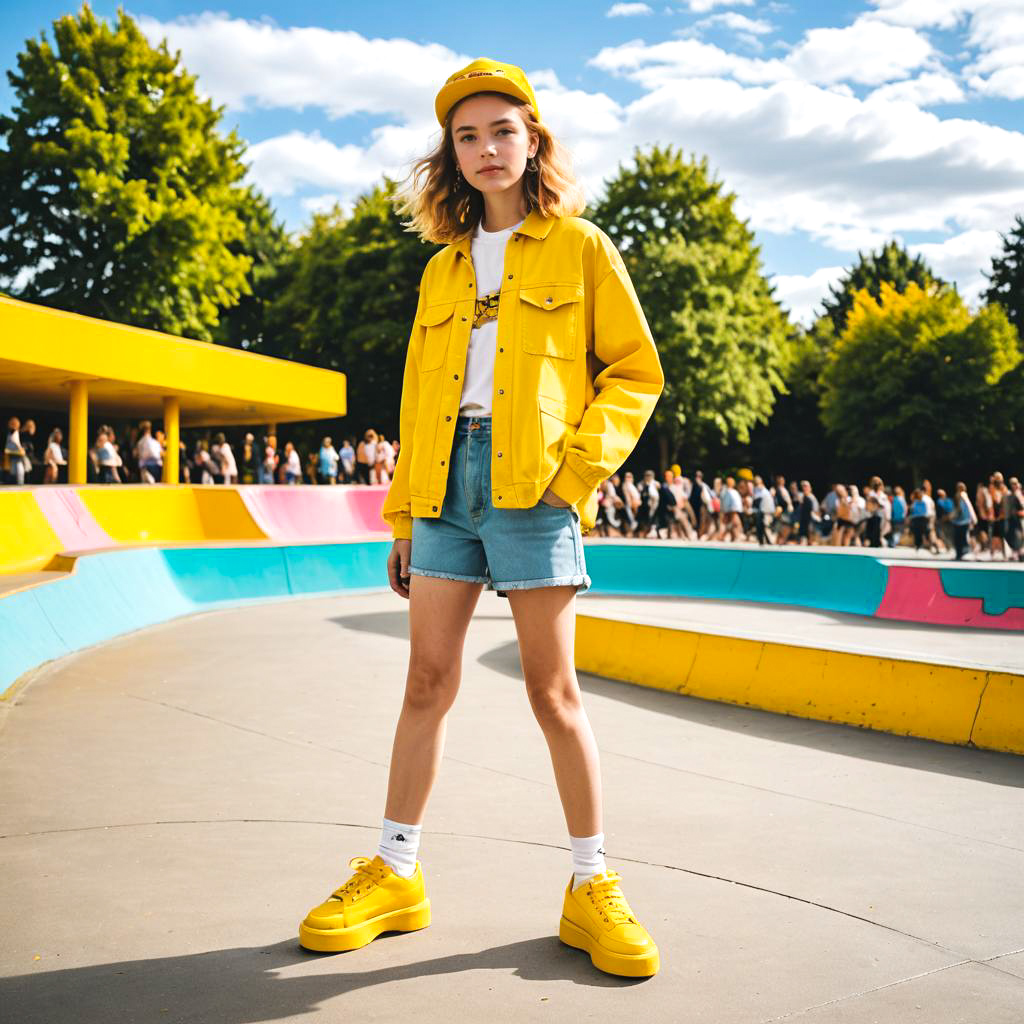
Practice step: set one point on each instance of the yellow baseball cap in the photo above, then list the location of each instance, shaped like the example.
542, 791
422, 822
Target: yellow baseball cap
483, 75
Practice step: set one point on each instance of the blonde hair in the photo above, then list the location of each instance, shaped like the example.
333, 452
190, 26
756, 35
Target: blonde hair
440, 211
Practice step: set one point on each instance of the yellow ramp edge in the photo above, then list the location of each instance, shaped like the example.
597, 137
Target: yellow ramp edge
142, 514
947, 703
27, 541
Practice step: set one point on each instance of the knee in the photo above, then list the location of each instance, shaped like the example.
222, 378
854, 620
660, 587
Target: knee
430, 687
556, 703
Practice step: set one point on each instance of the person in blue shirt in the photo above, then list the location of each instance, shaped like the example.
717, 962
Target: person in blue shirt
327, 463
899, 516
963, 518
919, 522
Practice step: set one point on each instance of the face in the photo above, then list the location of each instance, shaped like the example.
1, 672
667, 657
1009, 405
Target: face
491, 143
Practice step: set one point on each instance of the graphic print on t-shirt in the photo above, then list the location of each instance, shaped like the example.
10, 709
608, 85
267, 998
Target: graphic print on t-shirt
486, 309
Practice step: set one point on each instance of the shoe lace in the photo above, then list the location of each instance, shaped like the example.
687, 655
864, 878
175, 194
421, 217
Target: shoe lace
607, 896
367, 876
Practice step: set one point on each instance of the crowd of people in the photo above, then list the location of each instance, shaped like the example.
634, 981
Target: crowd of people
745, 509
731, 509
139, 457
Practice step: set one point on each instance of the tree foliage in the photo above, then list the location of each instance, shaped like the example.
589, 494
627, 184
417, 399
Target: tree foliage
266, 244
119, 198
892, 264
912, 379
1006, 280
347, 301
720, 334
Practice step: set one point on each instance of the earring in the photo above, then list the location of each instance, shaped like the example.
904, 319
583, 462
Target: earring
458, 178
531, 164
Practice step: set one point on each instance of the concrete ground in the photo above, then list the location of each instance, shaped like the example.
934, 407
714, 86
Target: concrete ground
174, 801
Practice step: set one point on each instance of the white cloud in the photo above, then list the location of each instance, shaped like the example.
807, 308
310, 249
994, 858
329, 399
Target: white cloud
962, 259
250, 64
320, 204
848, 172
868, 51
922, 91
627, 10
284, 164
737, 22
995, 30
702, 6
801, 294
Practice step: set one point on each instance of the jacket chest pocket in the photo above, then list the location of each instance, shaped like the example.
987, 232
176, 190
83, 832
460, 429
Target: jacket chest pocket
436, 321
549, 317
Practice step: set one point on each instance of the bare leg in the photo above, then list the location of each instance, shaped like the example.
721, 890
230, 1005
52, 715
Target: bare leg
439, 615
545, 620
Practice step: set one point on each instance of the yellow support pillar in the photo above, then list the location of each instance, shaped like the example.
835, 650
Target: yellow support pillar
78, 422
172, 436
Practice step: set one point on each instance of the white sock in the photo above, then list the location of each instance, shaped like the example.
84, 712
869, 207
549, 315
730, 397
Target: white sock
399, 844
587, 858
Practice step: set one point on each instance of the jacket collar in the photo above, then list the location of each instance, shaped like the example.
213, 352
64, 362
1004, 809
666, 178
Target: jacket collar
536, 225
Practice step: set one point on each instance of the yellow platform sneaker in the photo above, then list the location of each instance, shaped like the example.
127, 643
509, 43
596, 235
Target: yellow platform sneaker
372, 901
597, 919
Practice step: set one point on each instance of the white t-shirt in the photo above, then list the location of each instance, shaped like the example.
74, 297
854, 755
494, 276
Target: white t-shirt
488, 252
929, 503
55, 455
228, 466
148, 450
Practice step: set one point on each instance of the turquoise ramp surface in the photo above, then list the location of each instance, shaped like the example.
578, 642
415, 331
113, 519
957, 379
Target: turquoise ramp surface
823, 580
116, 592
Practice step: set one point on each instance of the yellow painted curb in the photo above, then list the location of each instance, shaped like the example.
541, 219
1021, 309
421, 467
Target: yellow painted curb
951, 704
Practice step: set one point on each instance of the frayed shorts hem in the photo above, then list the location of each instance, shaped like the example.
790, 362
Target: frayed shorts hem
576, 580
449, 576
552, 581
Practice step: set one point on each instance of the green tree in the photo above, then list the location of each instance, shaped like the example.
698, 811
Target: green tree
119, 198
266, 244
891, 264
912, 381
348, 297
720, 333
1006, 281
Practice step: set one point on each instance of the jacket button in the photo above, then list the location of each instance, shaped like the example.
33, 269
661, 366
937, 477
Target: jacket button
499, 497
464, 319
501, 391
548, 300
447, 417
456, 376
510, 277
499, 455
442, 462
470, 285
435, 508
501, 350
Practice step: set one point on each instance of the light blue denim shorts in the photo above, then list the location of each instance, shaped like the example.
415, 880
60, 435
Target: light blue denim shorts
506, 548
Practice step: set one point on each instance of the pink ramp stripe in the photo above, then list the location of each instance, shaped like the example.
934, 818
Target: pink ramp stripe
70, 519
916, 595
316, 513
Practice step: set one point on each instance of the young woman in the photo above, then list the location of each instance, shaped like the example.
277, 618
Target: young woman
964, 517
529, 377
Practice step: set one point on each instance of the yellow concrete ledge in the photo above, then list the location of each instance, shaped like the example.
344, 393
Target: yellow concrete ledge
964, 706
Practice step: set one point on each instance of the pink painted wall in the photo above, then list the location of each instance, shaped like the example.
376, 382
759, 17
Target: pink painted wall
916, 595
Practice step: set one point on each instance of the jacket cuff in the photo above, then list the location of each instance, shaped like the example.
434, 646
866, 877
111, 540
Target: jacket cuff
401, 527
569, 485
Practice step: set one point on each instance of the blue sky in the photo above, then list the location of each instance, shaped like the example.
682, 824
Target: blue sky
838, 125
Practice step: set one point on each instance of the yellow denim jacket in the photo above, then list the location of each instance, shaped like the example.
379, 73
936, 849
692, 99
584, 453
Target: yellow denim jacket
576, 372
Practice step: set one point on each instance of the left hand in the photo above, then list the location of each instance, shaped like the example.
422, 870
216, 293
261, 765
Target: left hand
550, 498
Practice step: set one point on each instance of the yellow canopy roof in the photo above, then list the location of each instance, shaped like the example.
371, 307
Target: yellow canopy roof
129, 370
